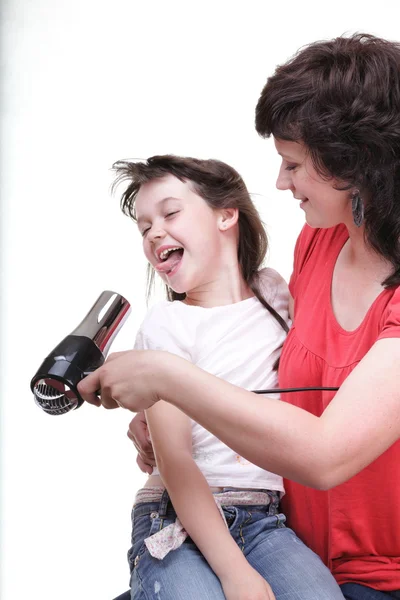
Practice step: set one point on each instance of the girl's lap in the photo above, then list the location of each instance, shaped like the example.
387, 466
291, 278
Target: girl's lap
293, 570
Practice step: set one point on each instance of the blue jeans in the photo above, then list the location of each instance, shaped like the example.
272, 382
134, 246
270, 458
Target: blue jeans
293, 571
354, 591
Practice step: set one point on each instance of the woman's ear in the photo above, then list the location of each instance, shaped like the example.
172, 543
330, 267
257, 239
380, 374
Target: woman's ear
228, 217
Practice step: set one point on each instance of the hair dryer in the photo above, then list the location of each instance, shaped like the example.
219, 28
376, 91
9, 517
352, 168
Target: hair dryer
81, 352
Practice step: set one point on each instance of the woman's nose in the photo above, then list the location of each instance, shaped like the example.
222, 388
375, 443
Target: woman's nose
283, 182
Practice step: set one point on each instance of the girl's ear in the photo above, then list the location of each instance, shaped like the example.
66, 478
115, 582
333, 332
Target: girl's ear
228, 217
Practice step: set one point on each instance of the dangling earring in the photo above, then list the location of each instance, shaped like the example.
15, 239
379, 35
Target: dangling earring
357, 207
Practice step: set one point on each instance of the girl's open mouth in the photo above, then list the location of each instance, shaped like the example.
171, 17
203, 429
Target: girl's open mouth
170, 263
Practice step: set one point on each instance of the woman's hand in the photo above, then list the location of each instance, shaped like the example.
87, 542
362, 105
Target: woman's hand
127, 379
138, 433
246, 585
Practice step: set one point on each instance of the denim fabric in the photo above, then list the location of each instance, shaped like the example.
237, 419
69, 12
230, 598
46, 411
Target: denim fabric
293, 570
124, 596
355, 591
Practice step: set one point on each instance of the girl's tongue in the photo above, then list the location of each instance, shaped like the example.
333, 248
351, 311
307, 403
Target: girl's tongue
172, 261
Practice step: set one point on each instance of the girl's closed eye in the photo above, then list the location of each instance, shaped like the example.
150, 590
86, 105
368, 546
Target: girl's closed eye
171, 214
290, 167
144, 231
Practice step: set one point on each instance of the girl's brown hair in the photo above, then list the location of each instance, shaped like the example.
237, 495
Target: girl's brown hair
220, 186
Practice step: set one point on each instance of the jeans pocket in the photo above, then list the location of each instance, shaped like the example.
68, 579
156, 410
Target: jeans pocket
143, 526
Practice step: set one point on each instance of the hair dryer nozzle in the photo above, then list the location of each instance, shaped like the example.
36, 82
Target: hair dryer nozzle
54, 385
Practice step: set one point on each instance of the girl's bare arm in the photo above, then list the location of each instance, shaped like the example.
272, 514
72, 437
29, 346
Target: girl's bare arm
189, 492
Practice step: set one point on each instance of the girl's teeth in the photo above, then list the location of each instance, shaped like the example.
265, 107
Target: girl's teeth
165, 253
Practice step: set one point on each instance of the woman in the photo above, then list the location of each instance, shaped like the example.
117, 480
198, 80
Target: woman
334, 112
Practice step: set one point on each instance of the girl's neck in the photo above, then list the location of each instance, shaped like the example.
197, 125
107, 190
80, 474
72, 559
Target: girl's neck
226, 288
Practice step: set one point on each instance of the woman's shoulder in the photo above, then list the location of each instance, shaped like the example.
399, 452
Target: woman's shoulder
313, 247
390, 319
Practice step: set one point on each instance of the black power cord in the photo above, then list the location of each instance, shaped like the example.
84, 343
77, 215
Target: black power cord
296, 389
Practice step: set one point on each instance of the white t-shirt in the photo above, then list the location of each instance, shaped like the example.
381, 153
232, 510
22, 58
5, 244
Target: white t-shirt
240, 343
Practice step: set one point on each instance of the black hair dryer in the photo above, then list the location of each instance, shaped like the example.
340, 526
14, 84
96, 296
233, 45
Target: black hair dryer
80, 353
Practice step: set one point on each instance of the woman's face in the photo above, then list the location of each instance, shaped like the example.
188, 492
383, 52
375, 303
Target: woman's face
324, 206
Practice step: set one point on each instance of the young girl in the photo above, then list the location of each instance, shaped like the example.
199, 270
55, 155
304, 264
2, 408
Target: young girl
207, 523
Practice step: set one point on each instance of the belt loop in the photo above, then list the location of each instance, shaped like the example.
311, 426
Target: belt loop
162, 511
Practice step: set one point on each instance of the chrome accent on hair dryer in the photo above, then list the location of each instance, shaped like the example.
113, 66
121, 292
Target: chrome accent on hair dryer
54, 385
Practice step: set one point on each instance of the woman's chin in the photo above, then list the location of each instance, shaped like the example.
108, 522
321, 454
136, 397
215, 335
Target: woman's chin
316, 223
311, 223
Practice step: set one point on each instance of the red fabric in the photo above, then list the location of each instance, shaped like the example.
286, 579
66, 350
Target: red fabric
355, 527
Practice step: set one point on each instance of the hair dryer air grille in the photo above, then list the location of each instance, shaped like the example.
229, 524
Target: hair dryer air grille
52, 399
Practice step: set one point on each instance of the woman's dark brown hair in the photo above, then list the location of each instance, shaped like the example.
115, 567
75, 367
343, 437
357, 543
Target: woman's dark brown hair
221, 187
341, 98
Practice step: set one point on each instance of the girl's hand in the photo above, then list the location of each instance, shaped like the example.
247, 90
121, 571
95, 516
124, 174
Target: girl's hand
127, 379
246, 585
138, 433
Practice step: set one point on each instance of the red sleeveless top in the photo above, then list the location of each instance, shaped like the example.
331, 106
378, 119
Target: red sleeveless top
355, 527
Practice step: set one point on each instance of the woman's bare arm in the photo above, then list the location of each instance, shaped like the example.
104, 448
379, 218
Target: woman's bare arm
360, 423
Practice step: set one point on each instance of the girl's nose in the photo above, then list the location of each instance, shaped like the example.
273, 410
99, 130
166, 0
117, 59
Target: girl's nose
155, 233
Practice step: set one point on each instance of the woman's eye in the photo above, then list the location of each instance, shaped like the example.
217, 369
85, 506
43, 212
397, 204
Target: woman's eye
290, 167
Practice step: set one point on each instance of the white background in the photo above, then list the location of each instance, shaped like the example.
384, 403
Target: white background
84, 83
